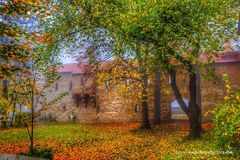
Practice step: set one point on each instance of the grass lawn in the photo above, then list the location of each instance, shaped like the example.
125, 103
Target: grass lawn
113, 141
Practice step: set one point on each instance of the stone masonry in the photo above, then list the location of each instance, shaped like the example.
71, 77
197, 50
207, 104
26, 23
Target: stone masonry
103, 109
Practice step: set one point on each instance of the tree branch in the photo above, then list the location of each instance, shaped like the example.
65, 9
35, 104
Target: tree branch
177, 93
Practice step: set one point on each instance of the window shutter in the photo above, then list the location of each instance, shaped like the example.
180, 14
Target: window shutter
70, 87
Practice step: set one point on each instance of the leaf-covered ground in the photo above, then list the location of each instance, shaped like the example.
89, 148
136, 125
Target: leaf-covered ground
114, 141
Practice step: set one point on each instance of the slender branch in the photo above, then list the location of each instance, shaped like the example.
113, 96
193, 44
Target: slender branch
26, 125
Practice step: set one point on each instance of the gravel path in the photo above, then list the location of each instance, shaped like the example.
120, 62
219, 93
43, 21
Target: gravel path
17, 157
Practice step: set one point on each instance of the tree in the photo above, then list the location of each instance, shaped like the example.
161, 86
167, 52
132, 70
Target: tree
33, 87
92, 17
26, 62
173, 33
176, 33
16, 39
182, 31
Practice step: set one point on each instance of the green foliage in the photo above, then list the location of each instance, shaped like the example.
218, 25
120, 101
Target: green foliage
227, 121
40, 152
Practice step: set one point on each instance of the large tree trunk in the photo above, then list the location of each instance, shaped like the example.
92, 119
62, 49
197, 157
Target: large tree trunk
157, 99
144, 95
198, 83
193, 111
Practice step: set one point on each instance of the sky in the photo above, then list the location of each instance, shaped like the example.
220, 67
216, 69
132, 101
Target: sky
67, 60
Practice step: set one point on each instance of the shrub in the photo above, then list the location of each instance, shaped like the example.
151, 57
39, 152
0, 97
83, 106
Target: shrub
227, 120
22, 118
40, 152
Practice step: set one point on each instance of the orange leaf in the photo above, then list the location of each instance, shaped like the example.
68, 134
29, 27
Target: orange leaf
30, 3
26, 16
37, 1
55, 6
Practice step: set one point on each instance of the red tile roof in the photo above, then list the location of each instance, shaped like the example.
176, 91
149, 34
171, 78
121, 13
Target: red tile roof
228, 57
76, 68
73, 68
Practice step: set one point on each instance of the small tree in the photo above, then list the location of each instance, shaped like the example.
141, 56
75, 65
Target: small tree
16, 39
227, 120
33, 87
26, 62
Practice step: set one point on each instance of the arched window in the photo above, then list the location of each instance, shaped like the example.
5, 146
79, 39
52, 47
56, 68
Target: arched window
176, 110
137, 108
169, 80
175, 103
149, 81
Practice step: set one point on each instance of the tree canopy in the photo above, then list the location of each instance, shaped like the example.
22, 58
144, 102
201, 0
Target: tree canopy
160, 35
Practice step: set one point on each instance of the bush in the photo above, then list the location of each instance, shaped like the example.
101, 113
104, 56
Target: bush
47, 118
227, 121
22, 118
40, 152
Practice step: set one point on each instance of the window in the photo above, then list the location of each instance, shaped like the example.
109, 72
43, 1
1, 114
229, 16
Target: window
82, 82
175, 103
176, 110
169, 80
56, 87
127, 82
149, 81
107, 83
70, 87
137, 108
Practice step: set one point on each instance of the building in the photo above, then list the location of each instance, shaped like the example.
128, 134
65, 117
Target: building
86, 105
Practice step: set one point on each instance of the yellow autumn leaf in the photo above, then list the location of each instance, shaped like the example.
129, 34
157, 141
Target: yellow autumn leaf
5, 35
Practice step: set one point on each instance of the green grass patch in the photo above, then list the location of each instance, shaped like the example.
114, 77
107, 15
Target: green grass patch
167, 141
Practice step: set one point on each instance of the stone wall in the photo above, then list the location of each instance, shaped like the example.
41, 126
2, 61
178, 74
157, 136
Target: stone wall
111, 109
212, 94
